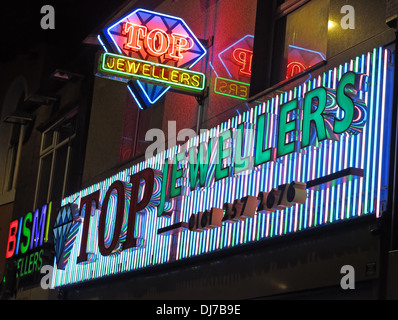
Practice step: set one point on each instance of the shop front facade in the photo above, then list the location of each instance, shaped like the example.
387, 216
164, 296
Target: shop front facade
216, 150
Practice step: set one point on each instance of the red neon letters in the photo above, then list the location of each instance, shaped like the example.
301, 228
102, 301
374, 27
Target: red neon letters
294, 68
11, 244
244, 59
156, 42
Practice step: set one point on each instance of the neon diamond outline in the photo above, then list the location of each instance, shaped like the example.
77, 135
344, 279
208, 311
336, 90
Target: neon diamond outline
151, 93
231, 46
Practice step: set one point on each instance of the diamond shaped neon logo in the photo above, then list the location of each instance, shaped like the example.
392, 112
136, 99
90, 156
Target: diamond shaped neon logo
155, 37
65, 231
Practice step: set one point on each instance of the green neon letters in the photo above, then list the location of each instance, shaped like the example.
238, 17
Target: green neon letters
224, 152
315, 118
241, 163
262, 156
26, 233
175, 175
199, 163
286, 127
29, 263
301, 121
345, 102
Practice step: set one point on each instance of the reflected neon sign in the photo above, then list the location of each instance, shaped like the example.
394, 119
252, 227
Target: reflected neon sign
300, 59
237, 61
232, 88
244, 59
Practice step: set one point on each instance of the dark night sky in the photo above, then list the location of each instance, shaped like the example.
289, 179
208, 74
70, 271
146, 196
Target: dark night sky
74, 20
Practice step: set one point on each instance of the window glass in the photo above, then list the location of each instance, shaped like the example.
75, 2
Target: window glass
56, 153
300, 40
47, 140
10, 166
44, 181
60, 171
366, 21
66, 130
70, 186
12, 155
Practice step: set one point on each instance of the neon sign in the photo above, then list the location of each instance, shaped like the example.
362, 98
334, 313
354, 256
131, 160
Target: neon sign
237, 58
26, 238
157, 42
129, 68
237, 61
294, 68
244, 59
307, 157
156, 38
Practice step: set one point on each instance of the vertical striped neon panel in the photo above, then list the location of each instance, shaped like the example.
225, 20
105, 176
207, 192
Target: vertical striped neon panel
368, 150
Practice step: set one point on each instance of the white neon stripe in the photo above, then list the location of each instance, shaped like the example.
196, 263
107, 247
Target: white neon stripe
383, 105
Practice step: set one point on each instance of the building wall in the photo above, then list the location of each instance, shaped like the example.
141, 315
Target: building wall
64, 99
23, 78
5, 218
105, 129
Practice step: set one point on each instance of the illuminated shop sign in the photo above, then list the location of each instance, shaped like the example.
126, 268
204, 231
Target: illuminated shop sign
307, 157
26, 238
237, 67
129, 68
158, 39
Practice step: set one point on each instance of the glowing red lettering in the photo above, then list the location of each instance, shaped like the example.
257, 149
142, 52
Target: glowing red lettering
243, 58
134, 34
155, 42
179, 45
11, 239
294, 68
